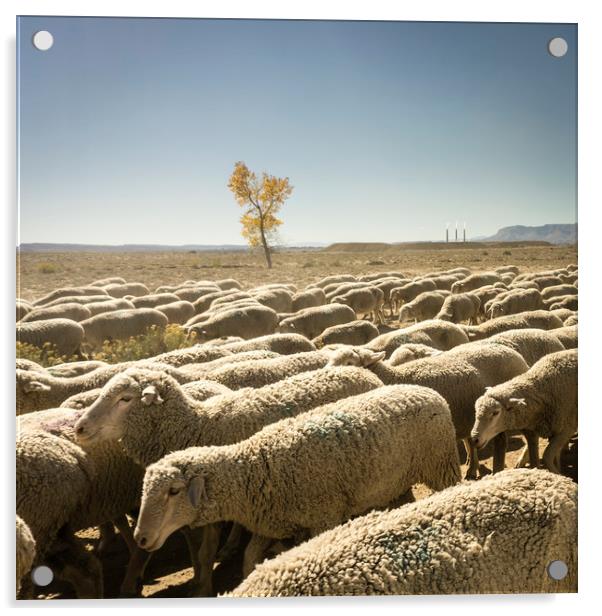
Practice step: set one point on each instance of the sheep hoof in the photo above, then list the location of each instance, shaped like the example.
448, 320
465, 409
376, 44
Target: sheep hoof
471, 475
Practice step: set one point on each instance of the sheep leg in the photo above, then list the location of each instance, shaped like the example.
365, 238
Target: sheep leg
133, 575
472, 459
555, 445
125, 530
500, 444
232, 542
203, 561
107, 536
532, 447
254, 553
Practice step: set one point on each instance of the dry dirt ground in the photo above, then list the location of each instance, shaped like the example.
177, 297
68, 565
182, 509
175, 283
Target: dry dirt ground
40, 273
168, 573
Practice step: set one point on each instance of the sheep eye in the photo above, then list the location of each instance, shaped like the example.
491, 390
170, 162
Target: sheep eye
173, 491
125, 399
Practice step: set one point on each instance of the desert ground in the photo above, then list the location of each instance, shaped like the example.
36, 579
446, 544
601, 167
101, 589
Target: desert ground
40, 273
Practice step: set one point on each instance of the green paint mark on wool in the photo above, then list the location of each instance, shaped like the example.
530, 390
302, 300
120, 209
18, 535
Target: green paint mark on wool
410, 549
337, 422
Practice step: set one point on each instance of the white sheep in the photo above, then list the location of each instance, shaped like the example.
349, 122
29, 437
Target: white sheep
366, 302
474, 281
306, 474
311, 322
247, 322
514, 302
283, 344
64, 335
63, 292
73, 311
121, 324
498, 535
25, 549
424, 306
459, 307
177, 312
308, 299
356, 332
543, 401
540, 319
411, 352
152, 415
129, 288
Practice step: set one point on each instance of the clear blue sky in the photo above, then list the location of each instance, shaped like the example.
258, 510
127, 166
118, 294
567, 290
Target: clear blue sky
129, 128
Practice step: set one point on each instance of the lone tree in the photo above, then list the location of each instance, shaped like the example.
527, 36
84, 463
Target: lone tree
262, 198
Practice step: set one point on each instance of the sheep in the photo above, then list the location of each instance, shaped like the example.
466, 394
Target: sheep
547, 281
381, 275
77, 299
66, 292
197, 390
410, 352
373, 447
523, 284
196, 354
541, 319
283, 344
356, 332
228, 283
154, 300
364, 302
507, 269
28, 364
424, 306
543, 401
459, 375
62, 487
474, 281
532, 344
103, 282
199, 371
109, 306
36, 391
159, 417
563, 314
411, 290
276, 285
495, 536
75, 368
257, 373
567, 335
572, 320
311, 322
507, 278
121, 324
203, 302
26, 550
387, 285
330, 279
459, 270
222, 307
279, 300
443, 282
572, 267
129, 288
74, 312
339, 288
519, 300
23, 308
246, 322
225, 300
177, 312
566, 301
441, 335
459, 307
191, 294
561, 289
308, 299
64, 335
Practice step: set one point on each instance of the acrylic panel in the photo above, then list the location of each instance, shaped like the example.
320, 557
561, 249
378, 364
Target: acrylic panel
296, 307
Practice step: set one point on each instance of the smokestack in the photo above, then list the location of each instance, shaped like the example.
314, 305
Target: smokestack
447, 233
456, 231
464, 232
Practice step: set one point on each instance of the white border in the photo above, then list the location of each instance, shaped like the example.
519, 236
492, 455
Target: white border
586, 14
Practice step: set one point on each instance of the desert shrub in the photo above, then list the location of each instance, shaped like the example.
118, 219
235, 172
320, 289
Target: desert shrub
375, 262
507, 253
309, 264
46, 355
47, 268
156, 340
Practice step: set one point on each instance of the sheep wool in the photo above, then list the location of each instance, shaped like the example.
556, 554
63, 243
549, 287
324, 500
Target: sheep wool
495, 536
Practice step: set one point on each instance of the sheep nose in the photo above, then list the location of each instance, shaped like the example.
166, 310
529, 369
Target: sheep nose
79, 430
142, 541
475, 441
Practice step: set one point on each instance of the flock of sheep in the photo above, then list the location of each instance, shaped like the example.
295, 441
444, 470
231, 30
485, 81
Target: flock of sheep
306, 417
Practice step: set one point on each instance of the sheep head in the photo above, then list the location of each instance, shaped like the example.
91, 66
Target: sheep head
33, 389
105, 419
172, 497
355, 356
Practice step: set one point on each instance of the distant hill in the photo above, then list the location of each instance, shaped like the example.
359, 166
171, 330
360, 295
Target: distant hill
402, 246
554, 234
49, 247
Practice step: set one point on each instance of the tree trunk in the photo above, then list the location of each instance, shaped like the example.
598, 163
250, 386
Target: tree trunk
266, 248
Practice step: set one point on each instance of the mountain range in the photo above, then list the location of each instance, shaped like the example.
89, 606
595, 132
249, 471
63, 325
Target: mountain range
554, 234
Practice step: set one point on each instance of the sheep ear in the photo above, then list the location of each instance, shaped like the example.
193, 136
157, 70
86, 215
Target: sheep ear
150, 395
371, 357
488, 388
196, 490
35, 386
517, 402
